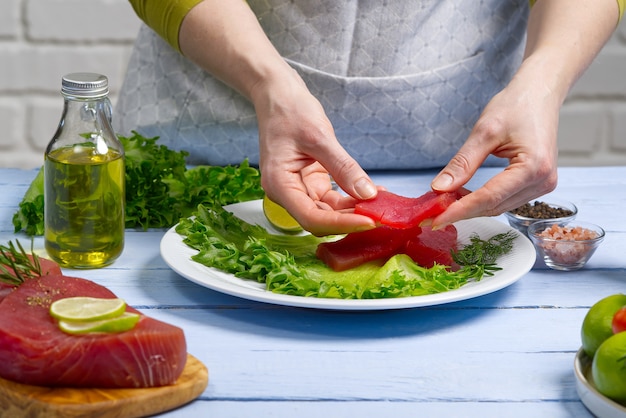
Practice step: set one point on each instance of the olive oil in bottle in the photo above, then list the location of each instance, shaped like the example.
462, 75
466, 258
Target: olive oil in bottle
84, 179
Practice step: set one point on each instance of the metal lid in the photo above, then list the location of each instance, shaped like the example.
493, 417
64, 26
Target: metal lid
85, 85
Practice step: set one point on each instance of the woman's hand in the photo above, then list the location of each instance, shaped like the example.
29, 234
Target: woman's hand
521, 122
299, 153
298, 147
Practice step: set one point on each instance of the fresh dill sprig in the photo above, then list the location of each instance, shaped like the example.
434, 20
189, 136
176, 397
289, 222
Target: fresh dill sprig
16, 266
482, 255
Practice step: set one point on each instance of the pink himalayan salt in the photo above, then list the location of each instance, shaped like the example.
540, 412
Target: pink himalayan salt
577, 233
569, 246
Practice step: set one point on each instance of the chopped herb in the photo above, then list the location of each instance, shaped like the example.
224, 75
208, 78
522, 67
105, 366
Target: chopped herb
482, 255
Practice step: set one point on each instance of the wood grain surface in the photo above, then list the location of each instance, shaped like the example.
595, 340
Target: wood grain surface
507, 354
21, 401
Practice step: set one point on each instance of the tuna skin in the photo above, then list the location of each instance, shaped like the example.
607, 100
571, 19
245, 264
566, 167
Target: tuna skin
34, 351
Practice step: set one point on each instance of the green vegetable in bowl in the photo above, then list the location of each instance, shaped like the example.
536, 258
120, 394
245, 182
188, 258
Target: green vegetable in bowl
160, 189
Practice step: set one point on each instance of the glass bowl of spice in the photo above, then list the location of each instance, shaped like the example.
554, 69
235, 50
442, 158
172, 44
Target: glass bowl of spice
565, 245
521, 217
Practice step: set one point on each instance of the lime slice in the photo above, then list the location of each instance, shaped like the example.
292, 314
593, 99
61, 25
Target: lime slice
123, 322
84, 308
279, 217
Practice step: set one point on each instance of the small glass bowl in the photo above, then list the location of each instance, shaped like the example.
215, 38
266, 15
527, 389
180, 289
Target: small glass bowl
566, 252
521, 223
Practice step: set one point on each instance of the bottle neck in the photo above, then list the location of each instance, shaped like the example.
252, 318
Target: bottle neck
87, 110
85, 119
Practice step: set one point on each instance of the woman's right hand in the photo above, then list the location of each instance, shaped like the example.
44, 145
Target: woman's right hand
298, 148
298, 155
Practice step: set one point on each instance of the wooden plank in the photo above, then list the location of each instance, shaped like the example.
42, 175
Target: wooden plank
382, 408
512, 355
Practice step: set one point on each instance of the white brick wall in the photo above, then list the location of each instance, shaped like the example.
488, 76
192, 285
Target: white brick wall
41, 40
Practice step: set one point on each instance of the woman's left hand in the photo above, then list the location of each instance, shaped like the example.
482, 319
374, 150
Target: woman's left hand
519, 124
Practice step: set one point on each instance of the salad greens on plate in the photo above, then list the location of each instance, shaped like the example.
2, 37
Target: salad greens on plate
287, 264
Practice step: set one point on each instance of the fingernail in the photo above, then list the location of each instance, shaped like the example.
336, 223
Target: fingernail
365, 188
438, 227
442, 181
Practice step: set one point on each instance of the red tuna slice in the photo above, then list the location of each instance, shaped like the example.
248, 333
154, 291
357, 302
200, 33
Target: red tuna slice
404, 212
47, 267
34, 351
360, 247
5, 289
432, 247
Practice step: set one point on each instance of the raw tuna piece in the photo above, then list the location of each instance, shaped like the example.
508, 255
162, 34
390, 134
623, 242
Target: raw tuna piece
47, 267
33, 350
404, 212
5, 289
360, 247
432, 247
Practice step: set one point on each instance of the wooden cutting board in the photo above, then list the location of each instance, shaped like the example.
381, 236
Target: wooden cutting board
20, 401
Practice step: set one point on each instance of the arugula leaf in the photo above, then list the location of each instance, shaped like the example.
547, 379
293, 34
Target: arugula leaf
160, 189
287, 264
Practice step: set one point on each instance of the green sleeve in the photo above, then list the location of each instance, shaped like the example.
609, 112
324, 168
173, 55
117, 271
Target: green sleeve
164, 16
620, 3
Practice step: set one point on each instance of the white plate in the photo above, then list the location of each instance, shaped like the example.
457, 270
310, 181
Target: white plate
514, 265
598, 404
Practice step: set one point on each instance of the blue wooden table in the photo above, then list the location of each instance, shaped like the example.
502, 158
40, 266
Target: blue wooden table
509, 353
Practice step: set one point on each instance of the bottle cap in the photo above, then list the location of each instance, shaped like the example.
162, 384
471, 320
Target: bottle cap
85, 85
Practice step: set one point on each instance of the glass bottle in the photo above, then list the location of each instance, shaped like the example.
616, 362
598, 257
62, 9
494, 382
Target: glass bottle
84, 178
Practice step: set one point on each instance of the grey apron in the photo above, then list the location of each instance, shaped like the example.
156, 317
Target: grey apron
402, 81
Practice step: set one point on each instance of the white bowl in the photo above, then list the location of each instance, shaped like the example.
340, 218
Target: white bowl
597, 403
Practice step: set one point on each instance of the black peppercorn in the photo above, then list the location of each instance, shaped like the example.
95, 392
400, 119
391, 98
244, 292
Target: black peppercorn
541, 210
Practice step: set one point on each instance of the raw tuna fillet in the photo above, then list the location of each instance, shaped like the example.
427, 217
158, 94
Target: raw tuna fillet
34, 351
360, 247
404, 212
5, 289
47, 267
432, 247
